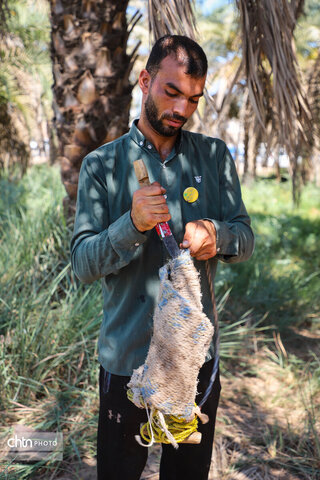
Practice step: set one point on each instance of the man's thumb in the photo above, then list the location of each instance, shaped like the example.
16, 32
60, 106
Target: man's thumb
185, 244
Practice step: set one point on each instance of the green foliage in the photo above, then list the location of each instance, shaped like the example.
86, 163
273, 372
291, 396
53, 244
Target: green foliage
24, 54
219, 31
307, 33
283, 276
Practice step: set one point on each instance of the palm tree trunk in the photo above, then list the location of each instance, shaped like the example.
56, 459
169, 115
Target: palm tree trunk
296, 181
277, 164
314, 95
91, 90
249, 168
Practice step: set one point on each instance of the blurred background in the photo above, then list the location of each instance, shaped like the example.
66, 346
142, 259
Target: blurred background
68, 83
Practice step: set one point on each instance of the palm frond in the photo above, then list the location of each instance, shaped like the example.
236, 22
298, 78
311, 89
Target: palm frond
175, 17
271, 68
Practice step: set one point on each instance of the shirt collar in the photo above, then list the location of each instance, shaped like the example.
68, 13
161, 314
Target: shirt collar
141, 140
136, 135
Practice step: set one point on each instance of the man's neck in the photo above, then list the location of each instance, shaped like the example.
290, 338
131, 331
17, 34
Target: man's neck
162, 144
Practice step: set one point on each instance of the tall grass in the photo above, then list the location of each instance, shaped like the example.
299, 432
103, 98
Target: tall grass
49, 322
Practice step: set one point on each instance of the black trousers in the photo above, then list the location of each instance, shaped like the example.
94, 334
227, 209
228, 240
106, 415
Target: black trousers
120, 457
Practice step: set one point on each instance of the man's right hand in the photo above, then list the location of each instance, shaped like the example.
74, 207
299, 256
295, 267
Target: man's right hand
149, 207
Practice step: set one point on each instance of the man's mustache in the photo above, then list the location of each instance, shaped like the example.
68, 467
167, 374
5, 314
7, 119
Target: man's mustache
175, 117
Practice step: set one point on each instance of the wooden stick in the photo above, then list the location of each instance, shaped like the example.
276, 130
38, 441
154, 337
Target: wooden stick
141, 173
194, 438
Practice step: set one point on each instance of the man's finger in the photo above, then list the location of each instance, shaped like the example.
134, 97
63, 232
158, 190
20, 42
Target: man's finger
203, 257
200, 238
153, 200
152, 190
188, 235
196, 247
185, 244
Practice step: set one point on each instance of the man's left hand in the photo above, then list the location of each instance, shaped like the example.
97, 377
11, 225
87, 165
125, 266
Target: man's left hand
200, 237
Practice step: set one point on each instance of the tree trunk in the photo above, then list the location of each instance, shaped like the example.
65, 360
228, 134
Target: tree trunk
14, 141
296, 180
53, 143
277, 163
91, 90
249, 168
316, 166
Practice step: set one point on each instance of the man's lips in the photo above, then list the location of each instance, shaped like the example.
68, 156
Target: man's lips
174, 123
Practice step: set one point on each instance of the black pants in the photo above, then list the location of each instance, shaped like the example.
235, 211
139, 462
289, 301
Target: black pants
120, 457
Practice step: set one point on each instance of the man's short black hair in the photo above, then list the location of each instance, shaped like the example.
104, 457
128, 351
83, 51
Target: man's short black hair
186, 51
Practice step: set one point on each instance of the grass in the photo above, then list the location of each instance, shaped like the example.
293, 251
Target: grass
268, 421
283, 276
49, 322
269, 314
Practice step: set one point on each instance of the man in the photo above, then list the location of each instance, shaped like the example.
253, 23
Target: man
114, 239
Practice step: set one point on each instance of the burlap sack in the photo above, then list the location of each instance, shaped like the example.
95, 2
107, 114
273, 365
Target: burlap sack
182, 333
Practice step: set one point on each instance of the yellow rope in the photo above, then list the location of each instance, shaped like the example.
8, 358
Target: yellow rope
177, 426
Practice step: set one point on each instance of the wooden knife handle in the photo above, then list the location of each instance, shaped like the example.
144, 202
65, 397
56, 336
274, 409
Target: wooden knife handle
141, 173
194, 438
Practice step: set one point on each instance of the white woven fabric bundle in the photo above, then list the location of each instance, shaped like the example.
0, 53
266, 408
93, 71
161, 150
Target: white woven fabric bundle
182, 333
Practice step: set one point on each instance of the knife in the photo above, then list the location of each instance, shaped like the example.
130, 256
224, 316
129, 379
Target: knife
163, 229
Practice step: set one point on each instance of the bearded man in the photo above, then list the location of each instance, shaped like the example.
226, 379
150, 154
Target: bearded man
114, 240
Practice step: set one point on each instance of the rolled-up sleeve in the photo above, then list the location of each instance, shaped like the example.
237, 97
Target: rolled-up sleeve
99, 248
235, 239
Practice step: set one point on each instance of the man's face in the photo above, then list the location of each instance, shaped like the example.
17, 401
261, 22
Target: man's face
172, 97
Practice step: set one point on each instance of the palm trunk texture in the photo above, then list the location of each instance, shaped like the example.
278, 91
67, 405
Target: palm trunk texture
91, 90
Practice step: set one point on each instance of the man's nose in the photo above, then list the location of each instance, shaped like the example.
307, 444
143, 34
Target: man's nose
180, 107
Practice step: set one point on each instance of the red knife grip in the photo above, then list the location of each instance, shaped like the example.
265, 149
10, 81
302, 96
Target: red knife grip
163, 229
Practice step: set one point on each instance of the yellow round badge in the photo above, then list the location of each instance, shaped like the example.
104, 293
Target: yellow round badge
190, 194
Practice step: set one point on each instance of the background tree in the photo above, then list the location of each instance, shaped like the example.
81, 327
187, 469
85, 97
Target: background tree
267, 80
24, 82
91, 68
314, 95
4, 13
274, 82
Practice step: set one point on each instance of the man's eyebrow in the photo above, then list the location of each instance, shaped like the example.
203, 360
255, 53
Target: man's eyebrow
172, 85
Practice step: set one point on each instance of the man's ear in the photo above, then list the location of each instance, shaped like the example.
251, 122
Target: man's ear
144, 81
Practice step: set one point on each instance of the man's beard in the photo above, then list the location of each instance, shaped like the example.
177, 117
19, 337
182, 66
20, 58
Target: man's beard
152, 114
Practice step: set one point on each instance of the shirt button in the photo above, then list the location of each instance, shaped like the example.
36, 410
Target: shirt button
149, 146
137, 244
141, 143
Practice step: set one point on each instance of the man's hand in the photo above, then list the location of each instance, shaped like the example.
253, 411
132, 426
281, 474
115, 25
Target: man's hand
200, 237
149, 207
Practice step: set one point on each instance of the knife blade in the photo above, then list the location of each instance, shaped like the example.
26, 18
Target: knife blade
164, 232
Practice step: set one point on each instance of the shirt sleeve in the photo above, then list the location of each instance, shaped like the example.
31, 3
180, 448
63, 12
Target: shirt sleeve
97, 247
235, 239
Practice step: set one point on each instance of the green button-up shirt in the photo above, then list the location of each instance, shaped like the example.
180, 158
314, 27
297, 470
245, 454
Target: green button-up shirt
106, 245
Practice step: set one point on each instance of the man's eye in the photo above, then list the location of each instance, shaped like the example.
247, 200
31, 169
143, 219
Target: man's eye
170, 94
193, 101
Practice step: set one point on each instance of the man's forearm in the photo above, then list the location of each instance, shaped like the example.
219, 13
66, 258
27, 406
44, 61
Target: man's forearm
95, 255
